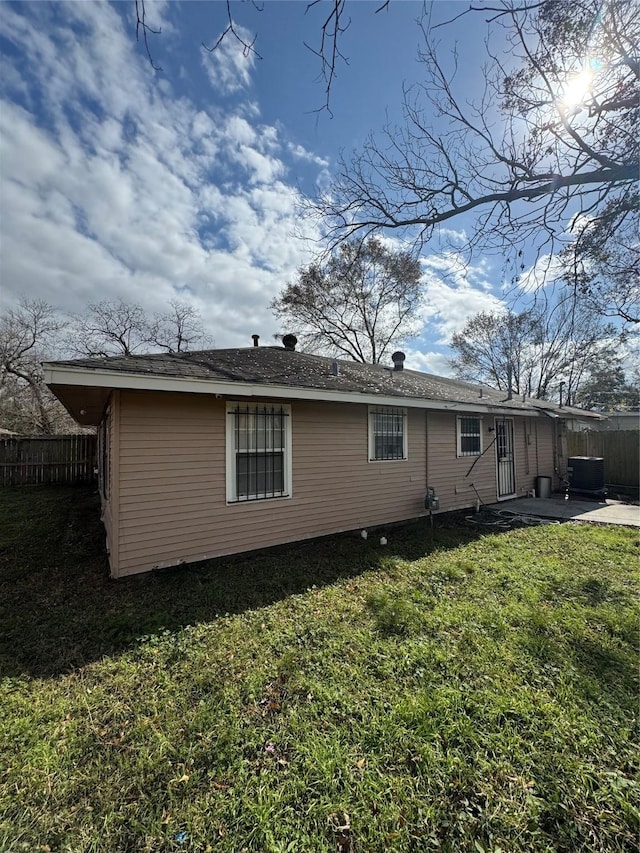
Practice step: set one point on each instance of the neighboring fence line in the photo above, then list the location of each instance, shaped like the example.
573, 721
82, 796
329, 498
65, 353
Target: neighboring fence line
619, 449
47, 459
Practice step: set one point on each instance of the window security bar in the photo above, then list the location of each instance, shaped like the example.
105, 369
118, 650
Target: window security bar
470, 436
388, 433
260, 445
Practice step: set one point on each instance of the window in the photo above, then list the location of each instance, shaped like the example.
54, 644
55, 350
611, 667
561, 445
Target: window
258, 452
387, 434
503, 450
469, 436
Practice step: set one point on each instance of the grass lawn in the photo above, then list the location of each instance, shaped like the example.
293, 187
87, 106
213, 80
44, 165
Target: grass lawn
466, 692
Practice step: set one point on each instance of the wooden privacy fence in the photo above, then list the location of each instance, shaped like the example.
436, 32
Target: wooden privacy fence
47, 459
618, 448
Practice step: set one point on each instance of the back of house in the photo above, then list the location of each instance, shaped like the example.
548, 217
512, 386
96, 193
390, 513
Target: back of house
204, 454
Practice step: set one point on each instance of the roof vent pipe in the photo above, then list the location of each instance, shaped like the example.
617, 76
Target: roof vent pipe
398, 360
289, 342
255, 339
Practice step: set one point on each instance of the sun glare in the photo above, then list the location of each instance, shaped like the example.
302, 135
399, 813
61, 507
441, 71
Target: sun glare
577, 89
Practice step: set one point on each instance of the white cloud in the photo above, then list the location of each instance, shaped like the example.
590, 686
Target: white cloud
202, 127
544, 271
128, 192
22, 143
13, 80
454, 292
239, 132
229, 66
429, 362
301, 153
453, 236
262, 168
452, 267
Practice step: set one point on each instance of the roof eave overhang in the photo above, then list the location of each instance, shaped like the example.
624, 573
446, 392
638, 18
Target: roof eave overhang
571, 414
94, 378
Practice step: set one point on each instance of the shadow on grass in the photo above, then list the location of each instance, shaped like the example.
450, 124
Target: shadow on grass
59, 609
615, 672
606, 666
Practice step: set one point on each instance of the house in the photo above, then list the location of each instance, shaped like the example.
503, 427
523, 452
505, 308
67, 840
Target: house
610, 422
203, 454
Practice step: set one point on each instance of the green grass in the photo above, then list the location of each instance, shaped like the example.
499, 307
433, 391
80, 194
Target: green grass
463, 692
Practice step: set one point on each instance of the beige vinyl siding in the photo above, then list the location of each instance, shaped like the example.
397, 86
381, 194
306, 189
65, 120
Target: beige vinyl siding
172, 495
451, 476
525, 452
534, 451
168, 491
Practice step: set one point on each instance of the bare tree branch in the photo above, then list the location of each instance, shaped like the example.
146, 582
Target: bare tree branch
525, 160
328, 52
500, 11
248, 47
142, 26
178, 330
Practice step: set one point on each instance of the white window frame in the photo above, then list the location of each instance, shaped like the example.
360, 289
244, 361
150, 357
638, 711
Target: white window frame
372, 410
231, 453
460, 435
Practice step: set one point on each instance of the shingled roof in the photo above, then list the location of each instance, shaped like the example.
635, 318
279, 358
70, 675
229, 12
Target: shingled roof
277, 367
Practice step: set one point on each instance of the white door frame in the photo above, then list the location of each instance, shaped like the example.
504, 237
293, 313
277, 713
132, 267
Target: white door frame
503, 447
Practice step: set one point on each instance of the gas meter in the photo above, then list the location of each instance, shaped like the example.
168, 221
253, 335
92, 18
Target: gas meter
431, 500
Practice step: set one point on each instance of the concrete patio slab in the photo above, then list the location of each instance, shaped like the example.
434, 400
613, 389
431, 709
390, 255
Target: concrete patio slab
573, 509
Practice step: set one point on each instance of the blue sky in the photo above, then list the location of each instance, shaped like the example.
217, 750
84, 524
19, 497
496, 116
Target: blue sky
121, 182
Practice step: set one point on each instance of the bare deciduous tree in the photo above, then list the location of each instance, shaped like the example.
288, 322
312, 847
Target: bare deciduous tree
179, 329
532, 352
492, 348
554, 137
122, 328
360, 303
107, 328
28, 334
35, 331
